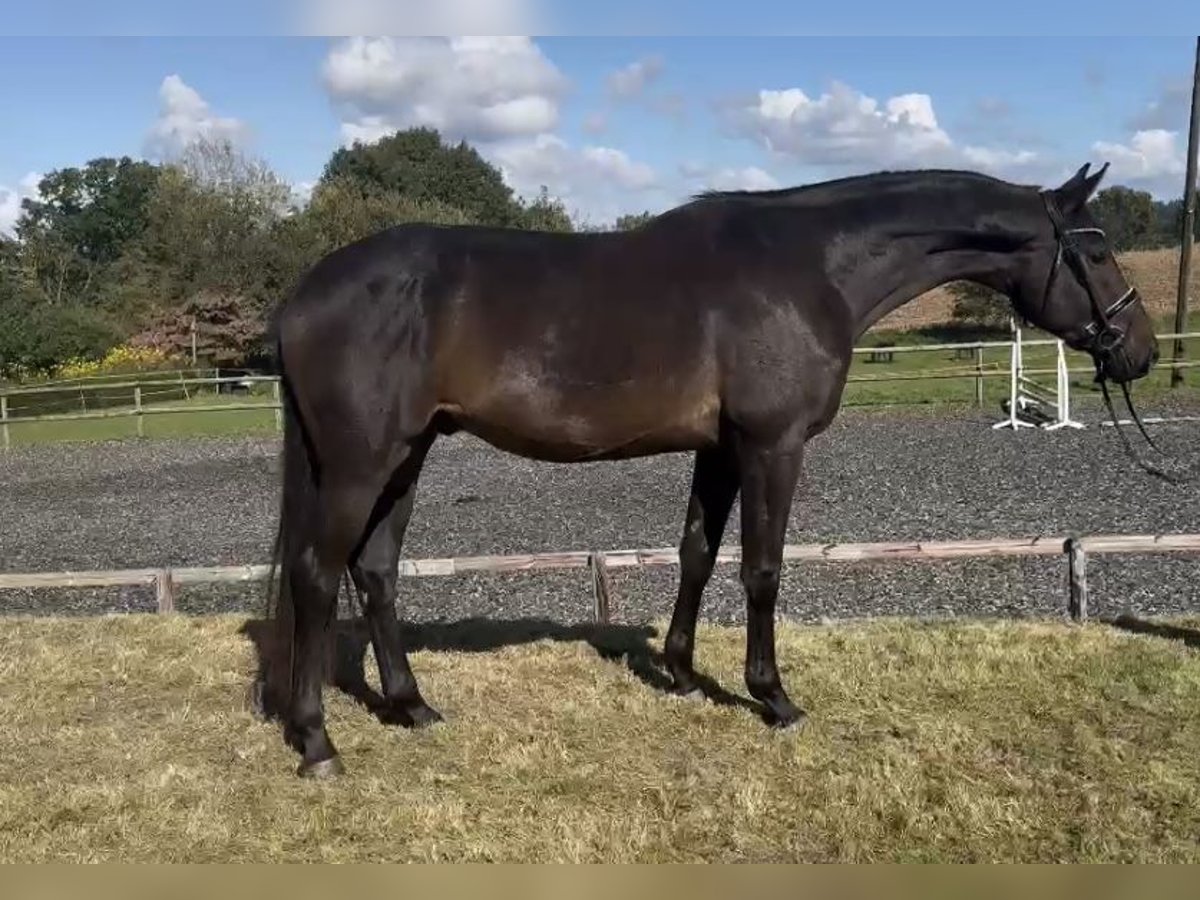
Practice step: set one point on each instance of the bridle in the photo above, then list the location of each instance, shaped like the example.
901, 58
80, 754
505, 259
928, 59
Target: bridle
1104, 338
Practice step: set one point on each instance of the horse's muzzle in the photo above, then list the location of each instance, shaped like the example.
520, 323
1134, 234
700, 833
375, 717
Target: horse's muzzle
1121, 366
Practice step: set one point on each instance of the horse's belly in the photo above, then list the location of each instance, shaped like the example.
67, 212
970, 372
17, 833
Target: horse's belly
604, 428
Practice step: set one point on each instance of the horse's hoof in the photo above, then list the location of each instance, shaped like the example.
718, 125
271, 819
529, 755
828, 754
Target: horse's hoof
424, 716
791, 722
322, 769
687, 693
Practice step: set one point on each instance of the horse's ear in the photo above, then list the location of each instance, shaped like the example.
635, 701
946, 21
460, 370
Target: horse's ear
1076, 180
1075, 192
1093, 181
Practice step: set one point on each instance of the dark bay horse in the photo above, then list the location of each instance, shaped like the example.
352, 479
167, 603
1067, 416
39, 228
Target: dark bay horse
723, 327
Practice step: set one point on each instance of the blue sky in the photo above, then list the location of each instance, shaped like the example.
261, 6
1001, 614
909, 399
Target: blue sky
610, 124
613, 17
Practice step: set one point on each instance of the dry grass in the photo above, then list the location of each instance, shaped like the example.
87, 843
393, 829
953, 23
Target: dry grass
126, 738
1155, 273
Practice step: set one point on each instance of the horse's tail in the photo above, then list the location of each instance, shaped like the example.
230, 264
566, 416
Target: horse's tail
297, 509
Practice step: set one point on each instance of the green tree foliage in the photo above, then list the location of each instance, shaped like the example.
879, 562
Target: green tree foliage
81, 223
1170, 222
215, 249
1128, 217
1134, 220
631, 221
340, 213
417, 164
36, 334
979, 307
545, 214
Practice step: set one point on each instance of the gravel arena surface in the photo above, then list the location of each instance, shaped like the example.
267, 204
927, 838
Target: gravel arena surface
874, 476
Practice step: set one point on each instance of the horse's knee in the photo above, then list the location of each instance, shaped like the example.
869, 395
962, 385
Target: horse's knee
760, 581
319, 577
695, 556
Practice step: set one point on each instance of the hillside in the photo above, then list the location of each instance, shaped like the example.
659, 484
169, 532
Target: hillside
1155, 273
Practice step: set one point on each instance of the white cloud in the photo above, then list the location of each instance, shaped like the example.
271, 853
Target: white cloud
748, 178
751, 178
599, 182
1150, 155
990, 159
633, 79
595, 123
549, 160
844, 128
632, 84
184, 116
418, 18
10, 201
472, 88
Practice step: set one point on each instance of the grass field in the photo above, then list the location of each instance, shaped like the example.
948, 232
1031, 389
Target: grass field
223, 422
126, 738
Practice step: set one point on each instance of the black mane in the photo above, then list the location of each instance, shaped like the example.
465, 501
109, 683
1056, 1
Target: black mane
869, 182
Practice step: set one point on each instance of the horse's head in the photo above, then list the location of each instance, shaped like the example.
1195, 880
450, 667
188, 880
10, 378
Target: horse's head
1073, 287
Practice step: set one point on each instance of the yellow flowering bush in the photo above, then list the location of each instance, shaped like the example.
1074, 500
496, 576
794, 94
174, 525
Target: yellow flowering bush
119, 360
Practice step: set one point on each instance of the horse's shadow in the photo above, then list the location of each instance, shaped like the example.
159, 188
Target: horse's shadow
1126, 622
625, 644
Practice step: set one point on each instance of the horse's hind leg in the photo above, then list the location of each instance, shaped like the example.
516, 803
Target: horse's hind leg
769, 475
375, 574
343, 510
714, 487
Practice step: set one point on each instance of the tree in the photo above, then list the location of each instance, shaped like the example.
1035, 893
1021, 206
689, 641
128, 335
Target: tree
1128, 217
212, 250
38, 335
418, 165
339, 213
1170, 223
225, 334
979, 306
546, 214
81, 223
631, 221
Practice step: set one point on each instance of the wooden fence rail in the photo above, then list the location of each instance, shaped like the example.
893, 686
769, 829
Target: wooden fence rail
166, 580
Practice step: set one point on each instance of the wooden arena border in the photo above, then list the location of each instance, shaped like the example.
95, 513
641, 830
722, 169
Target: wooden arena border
1075, 549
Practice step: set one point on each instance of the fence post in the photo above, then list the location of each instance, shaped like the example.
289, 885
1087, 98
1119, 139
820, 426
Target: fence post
137, 408
164, 591
601, 589
278, 405
978, 375
4, 421
1077, 586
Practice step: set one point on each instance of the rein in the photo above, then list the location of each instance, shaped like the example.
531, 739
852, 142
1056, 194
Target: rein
1105, 339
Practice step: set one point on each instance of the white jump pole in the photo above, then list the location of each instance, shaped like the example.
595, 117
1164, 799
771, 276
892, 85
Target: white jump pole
1063, 419
1015, 367
1023, 391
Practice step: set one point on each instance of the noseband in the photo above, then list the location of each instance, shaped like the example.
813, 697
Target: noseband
1104, 338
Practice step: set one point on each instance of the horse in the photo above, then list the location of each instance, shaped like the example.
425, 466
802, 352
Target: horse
722, 327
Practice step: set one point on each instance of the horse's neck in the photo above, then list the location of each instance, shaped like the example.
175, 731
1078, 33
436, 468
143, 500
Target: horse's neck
918, 272
888, 264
